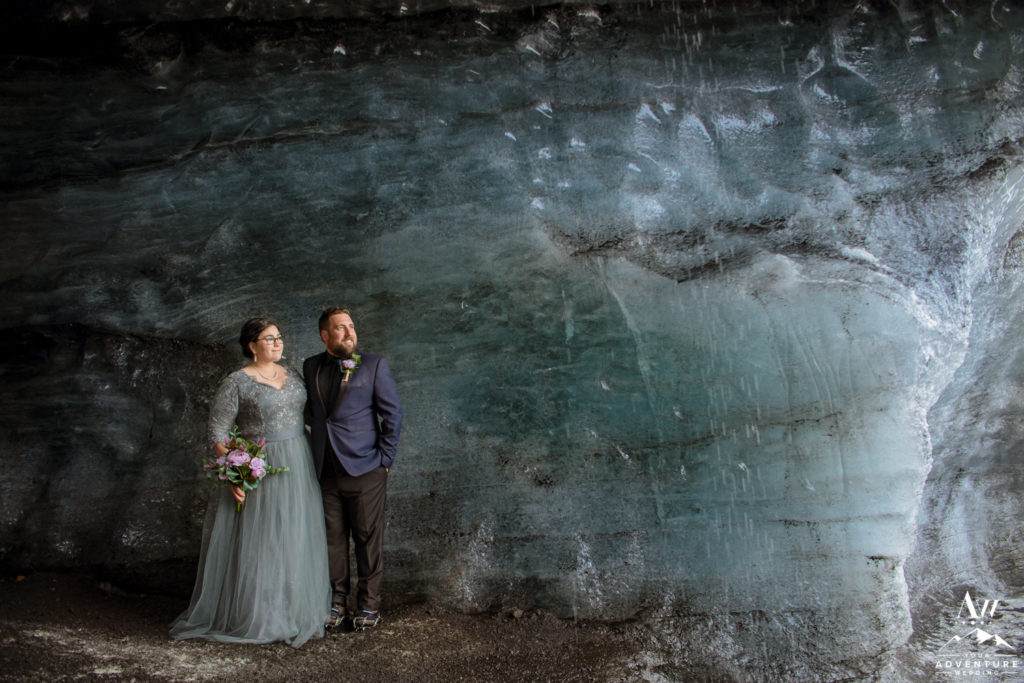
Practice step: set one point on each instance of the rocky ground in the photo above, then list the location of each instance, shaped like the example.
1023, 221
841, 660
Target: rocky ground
57, 627
70, 627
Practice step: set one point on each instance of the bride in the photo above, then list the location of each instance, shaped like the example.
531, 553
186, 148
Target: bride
263, 572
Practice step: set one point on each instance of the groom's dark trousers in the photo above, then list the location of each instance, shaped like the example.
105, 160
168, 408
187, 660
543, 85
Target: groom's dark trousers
354, 507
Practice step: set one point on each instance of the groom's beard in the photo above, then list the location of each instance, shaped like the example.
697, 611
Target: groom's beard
339, 351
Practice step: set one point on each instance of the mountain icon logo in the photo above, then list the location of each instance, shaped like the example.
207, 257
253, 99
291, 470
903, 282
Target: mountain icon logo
981, 635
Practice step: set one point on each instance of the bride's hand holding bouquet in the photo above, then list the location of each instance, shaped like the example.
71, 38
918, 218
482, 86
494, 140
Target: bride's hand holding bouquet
240, 464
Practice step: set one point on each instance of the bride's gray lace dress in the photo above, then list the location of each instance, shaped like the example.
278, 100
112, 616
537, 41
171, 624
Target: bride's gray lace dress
263, 572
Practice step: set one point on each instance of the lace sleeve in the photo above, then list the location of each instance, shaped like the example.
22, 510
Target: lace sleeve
223, 410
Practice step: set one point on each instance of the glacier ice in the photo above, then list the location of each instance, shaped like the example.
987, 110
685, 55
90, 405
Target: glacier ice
697, 315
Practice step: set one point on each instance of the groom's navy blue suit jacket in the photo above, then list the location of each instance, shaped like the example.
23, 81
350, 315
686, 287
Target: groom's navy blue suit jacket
363, 424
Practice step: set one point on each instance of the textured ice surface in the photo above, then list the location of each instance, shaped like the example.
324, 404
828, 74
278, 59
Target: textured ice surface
670, 293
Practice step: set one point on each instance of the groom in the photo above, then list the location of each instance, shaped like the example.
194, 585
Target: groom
355, 417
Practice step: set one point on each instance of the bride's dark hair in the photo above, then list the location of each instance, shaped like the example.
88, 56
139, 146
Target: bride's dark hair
251, 333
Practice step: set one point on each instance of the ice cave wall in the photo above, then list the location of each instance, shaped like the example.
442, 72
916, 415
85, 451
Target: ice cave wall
670, 291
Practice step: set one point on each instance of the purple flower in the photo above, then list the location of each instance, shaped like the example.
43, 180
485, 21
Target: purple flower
258, 468
263, 441
222, 476
222, 461
348, 364
238, 457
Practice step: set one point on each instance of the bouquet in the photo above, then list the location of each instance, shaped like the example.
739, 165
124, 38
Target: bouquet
244, 465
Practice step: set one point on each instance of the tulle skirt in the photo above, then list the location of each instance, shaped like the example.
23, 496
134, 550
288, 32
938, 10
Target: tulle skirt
263, 573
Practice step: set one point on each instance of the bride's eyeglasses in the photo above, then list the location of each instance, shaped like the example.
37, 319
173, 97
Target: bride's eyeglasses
279, 339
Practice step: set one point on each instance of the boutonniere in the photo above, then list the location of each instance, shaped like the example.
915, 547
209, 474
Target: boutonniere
351, 365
